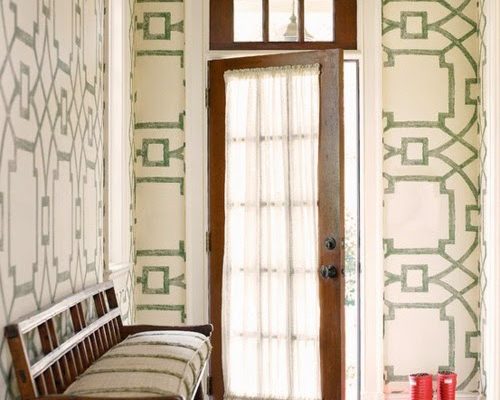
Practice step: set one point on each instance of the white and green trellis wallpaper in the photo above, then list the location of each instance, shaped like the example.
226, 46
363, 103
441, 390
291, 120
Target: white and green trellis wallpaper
483, 153
159, 93
431, 181
432, 196
52, 145
51, 169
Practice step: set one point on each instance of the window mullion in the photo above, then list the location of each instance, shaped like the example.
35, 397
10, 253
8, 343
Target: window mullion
265, 21
301, 12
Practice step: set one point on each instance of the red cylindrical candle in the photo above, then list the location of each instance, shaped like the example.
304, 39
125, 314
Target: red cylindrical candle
447, 385
420, 387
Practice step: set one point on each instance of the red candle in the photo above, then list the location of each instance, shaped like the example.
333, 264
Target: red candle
420, 387
447, 385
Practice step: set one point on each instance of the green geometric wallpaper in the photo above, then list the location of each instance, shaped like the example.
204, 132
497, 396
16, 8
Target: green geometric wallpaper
51, 169
159, 93
483, 154
432, 195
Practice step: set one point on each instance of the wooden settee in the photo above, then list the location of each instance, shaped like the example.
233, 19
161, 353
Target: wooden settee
101, 358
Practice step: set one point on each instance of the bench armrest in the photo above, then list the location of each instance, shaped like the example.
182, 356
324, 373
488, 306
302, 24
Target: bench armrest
132, 329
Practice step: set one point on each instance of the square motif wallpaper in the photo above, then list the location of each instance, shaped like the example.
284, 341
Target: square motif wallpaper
159, 104
431, 172
432, 191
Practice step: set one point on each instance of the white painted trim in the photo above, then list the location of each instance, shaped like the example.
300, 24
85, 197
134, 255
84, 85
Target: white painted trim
372, 276
491, 208
116, 196
105, 138
117, 270
115, 132
196, 166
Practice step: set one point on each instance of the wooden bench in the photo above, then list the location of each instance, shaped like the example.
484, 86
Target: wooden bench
95, 342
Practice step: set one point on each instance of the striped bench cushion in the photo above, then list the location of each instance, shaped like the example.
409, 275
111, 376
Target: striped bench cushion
146, 364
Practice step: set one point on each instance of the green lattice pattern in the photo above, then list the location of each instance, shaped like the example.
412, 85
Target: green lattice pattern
483, 153
432, 195
51, 198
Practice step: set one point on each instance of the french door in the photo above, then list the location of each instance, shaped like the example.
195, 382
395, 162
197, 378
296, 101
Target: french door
277, 226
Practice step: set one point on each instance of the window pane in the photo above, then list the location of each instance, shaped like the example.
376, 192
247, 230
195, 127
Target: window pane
283, 21
318, 20
247, 20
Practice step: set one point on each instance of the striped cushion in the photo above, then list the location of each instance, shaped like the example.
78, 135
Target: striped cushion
159, 363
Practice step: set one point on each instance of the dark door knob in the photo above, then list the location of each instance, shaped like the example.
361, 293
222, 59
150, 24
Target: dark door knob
330, 243
328, 271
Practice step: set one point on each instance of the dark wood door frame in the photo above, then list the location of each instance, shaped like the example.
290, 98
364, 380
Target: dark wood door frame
331, 214
222, 28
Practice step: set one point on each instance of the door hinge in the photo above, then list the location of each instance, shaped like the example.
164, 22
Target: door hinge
209, 386
208, 242
207, 98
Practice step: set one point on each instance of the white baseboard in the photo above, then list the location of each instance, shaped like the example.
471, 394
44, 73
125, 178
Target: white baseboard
372, 396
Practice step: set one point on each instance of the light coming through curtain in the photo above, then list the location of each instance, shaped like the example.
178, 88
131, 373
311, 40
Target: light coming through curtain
270, 316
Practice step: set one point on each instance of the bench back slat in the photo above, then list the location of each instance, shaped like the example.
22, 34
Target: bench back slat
63, 360
49, 342
30, 322
72, 343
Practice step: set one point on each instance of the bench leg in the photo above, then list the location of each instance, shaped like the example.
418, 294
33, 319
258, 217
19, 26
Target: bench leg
199, 393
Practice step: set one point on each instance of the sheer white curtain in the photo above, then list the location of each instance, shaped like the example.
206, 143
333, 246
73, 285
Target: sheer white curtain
270, 316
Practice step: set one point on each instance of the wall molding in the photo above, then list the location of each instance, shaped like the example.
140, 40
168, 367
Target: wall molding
196, 190
491, 83
117, 196
117, 270
371, 207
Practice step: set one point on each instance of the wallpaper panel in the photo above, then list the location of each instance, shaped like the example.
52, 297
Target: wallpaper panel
50, 155
432, 205
159, 162
483, 183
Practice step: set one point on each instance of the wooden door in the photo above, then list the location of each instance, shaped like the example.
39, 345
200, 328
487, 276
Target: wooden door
330, 209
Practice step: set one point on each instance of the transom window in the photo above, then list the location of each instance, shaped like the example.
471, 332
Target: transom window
282, 24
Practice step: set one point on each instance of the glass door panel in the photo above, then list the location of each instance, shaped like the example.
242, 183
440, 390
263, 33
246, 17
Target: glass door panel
318, 20
247, 20
283, 21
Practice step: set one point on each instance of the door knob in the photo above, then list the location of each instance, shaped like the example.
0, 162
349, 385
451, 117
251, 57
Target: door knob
330, 243
328, 271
